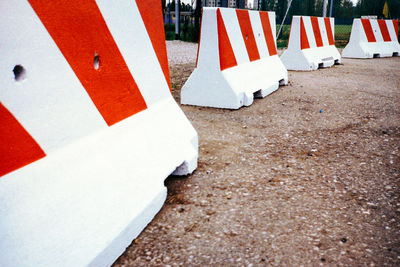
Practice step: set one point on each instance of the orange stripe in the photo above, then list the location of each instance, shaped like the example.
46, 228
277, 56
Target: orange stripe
303, 35
396, 27
248, 35
329, 31
198, 45
269, 37
368, 30
384, 30
79, 30
317, 32
226, 56
151, 13
17, 147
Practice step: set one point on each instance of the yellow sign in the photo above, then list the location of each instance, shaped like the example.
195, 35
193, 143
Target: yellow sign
385, 11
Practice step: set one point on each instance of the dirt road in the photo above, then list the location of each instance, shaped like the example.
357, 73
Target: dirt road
309, 175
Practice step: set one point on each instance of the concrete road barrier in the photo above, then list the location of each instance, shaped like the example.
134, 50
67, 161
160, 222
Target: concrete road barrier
373, 38
237, 59
311, 44
89, 129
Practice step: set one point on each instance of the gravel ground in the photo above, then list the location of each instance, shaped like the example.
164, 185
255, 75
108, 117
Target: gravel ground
307, 176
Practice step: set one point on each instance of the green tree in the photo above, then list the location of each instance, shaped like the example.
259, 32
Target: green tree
375, 7
280, 10
197, 15
270, 5
346, 9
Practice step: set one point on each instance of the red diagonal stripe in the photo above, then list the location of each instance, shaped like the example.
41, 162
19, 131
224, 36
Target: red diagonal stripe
317, 32
226, 56
269, 37
303, 35
151, 13
17, 147
329, 31
248, 35
368, 30
396, 27
384, 30
79, 30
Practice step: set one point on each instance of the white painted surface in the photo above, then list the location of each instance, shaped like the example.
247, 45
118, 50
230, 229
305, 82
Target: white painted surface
98, 186
295, 58
233, 87
51, 103
359, 47
310, 32
126, 25
391, 29
234, 33
86, 202
324, 32
258, 33
272, 20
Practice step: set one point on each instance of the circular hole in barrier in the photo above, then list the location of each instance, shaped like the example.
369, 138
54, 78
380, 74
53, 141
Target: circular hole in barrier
96, 61
19, 73
247, 37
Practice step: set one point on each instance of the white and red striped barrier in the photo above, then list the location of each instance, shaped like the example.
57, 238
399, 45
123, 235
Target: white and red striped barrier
311, 44
373, 38
237, 59
89, 129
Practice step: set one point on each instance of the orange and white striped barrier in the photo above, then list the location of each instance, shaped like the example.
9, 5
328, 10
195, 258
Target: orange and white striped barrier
311, 44
373, 38
87, 134
237, 59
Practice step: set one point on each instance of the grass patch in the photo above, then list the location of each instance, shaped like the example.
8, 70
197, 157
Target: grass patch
185, 35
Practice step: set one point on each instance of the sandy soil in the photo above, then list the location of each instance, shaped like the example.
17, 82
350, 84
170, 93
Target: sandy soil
309, 175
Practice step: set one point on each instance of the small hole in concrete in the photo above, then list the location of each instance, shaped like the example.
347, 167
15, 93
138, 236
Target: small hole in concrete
395, 54
247, 37
96, 61
377, 56
19, 73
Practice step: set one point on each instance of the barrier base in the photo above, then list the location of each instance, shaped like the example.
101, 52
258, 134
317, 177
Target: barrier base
85, 203
371, 50
311, 59
234, 87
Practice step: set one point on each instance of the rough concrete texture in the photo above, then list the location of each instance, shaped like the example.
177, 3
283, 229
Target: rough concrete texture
309, 175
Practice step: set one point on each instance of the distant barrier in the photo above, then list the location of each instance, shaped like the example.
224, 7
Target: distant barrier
373, 38
311, 44
237, 59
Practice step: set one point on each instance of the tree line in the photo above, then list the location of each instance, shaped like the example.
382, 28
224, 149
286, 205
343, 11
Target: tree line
340, 9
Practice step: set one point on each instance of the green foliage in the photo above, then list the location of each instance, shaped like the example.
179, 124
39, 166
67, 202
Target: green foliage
183, 7
375, 7
340, 9
342, 35
185, 35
